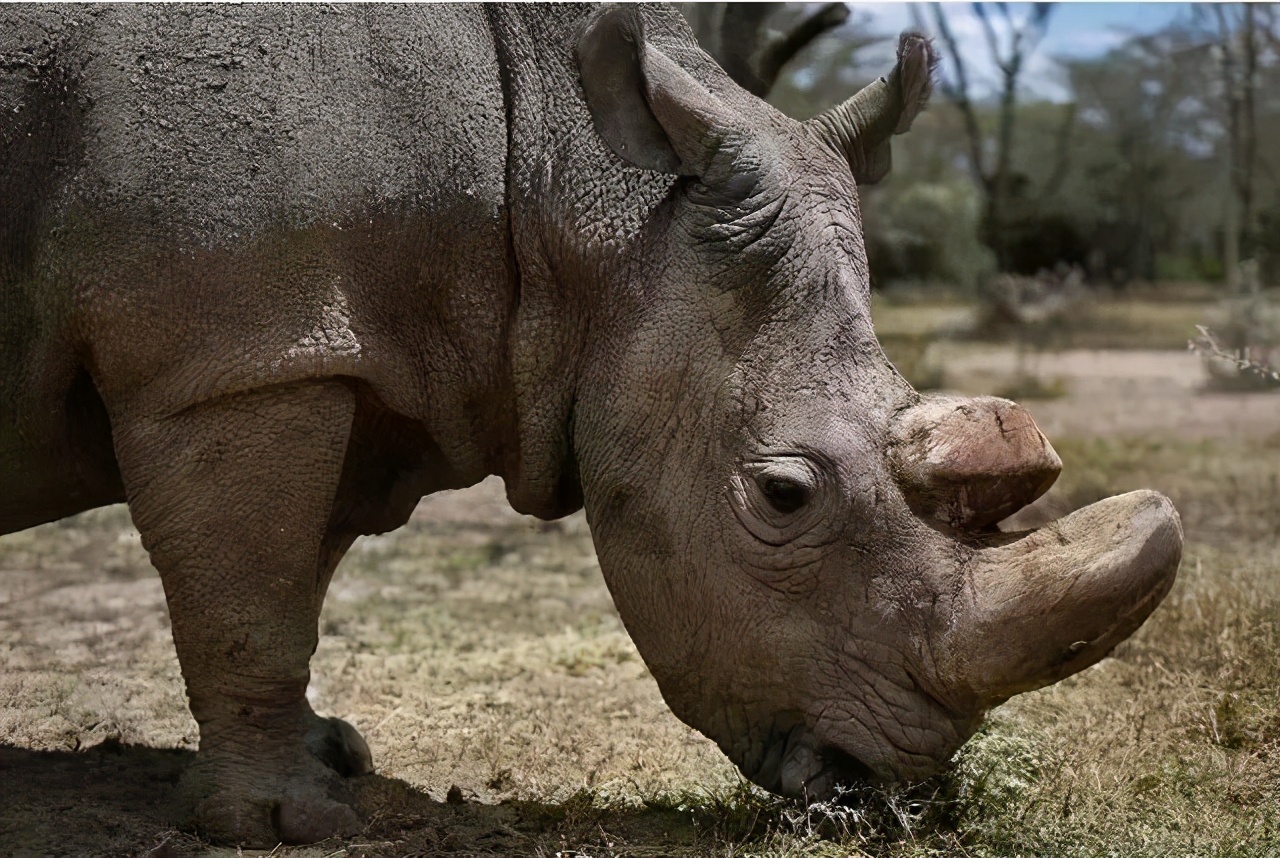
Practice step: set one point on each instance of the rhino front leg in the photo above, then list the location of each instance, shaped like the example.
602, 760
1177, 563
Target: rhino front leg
233, 500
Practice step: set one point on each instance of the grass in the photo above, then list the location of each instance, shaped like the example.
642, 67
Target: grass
1171, 748
1124, 323
1101, 322
911, 330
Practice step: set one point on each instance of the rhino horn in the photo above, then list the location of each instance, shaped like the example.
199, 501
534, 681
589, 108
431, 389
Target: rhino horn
861, 127
1036, 610
968, 463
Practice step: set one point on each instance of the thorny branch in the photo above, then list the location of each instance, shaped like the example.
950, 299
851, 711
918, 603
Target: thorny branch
1207, 346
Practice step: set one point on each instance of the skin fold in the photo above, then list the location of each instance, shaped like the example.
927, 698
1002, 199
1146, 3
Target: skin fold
271, 274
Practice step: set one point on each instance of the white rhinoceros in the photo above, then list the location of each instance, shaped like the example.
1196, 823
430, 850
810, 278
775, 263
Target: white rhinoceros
270, 274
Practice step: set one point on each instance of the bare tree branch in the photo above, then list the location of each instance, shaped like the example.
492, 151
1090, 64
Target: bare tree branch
1062, 154
1249, 119
959, 95
737, 36
1037, 25
998, 181
1231, 225
1272, 29
780, 50
993, 42
917, 18
740, 42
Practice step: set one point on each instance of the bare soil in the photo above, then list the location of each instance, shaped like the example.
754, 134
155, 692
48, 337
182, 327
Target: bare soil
479, 653
1108, 393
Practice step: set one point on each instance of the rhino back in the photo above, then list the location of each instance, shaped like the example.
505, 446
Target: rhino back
218, 198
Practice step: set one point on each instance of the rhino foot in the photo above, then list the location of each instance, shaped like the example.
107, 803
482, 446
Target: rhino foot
240, 804
291, 798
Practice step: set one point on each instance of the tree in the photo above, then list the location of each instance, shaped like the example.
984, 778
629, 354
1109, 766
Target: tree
1237, 48
1010, 208
1129, 100
739, 36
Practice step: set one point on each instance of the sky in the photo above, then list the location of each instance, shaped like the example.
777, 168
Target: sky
1075, 30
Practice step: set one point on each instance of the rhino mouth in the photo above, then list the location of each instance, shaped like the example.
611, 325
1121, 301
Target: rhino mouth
796, 765
839, 770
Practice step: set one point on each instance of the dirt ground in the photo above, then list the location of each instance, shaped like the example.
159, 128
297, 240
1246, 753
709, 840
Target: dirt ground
1109, 394
477, 650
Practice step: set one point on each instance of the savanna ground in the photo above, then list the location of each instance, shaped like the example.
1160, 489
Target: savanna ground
479, 653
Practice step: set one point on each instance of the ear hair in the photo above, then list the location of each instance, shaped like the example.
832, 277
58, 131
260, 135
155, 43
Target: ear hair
917, 63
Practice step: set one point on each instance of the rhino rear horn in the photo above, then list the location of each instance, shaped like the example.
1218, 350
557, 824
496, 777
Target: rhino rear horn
651, 112
861, 127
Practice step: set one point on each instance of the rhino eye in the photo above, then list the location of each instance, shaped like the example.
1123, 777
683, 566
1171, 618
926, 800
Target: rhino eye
784, 495
778, 498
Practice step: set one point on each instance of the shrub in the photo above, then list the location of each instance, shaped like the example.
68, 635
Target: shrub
928, 233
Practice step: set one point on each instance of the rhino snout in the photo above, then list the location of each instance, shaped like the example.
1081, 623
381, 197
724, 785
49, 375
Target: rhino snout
1028, 613
1047, 603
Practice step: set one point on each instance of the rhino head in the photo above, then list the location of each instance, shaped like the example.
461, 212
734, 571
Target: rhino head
801, 545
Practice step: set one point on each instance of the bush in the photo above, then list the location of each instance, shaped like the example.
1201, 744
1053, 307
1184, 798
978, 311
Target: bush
927, 233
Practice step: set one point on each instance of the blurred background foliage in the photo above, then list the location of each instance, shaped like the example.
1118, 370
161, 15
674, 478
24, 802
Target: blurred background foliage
1152, 166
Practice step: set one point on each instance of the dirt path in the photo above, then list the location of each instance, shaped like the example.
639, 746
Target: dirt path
1118, 393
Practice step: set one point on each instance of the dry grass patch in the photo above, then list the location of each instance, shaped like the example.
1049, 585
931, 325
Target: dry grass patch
1126, 323
1172, 747
1098, 320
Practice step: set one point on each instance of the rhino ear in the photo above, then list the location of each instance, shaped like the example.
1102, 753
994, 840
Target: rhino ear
861, 127
652, 113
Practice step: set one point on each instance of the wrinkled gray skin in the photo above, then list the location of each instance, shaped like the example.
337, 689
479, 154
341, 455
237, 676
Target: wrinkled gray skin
272, 274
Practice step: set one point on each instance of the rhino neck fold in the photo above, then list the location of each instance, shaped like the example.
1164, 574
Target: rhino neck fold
575, 213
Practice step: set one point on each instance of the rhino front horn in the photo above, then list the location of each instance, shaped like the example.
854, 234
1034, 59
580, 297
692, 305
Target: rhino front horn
1041, 608
968, 463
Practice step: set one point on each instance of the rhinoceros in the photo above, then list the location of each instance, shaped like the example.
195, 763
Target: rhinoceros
271, 274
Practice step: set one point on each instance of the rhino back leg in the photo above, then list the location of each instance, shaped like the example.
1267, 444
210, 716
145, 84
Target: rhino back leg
56, 457
234, 499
